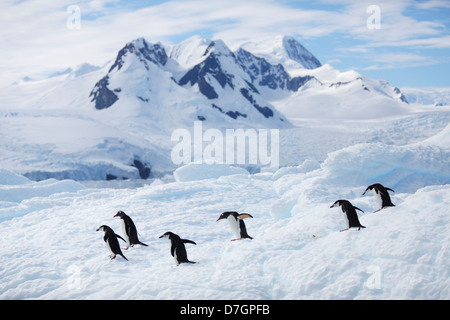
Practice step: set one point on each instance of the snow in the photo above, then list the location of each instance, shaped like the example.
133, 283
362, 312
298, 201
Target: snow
51, 129
200, 171
189, 52
345, 138
283, 49
428, 96
53, 251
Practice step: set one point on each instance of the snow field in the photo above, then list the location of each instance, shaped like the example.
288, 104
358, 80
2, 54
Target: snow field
52, 251
350, 132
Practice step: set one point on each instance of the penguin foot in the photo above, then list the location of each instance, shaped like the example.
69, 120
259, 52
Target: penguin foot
343, 230
112, 256
236, 239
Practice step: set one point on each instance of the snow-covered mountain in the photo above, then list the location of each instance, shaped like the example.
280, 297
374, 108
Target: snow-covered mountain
285, 50
146, 71
429, 96
90, 123
338, 133
297, 251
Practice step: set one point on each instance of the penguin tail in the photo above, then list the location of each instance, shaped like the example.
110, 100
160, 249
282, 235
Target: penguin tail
124, 257
143, 244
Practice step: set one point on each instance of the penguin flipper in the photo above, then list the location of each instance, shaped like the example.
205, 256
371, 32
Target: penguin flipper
188, 241
358, 209
245, 215
121, 238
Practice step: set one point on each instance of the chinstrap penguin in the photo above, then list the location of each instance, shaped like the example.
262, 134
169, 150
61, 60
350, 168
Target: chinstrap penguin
237, 224
111, 241
382, 195
177, 248
129, 230
349, 214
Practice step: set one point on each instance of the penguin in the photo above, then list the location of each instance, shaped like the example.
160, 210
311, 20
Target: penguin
177, 248
381, 194
237, 224
111, 241
129, 230
349, 214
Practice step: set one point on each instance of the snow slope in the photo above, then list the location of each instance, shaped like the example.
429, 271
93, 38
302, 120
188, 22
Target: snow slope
54, 252
428, 96
95, 123
285, 50
346, 137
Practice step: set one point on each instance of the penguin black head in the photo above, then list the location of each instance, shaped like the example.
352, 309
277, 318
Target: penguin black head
338, 203
376, 187
167, 235
103, 228
226, 214
236, 215
120, 214
344, 204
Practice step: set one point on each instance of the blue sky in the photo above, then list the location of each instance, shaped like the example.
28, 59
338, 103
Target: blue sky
405, 42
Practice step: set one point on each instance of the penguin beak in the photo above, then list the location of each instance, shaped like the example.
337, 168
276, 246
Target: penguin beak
219, 219
115, 215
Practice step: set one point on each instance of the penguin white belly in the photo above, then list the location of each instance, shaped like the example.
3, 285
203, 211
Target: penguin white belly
378, 196
234, 224
125, 234
344, 215
109, 248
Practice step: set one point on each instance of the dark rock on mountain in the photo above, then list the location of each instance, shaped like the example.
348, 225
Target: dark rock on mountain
102, 95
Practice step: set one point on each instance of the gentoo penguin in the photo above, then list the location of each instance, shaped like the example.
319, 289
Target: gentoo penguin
177, 248
381, 194
349, 214
129, 230
111, 241
236, 223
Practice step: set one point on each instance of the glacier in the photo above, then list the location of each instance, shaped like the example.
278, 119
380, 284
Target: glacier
342, 132
94, 123
297, 251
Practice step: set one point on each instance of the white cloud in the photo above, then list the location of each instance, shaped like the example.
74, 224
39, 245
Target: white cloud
433, 4
35, 37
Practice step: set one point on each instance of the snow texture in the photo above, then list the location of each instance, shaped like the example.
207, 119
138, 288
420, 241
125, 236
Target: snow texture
347, 132
91, 123
52, 250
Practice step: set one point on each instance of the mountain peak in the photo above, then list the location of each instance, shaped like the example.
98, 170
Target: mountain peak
218, 47
299, 53
285, 50
190, 51
144, 50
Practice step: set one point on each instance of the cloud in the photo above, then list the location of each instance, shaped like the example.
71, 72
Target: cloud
397, 60
36, 39
433, 4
